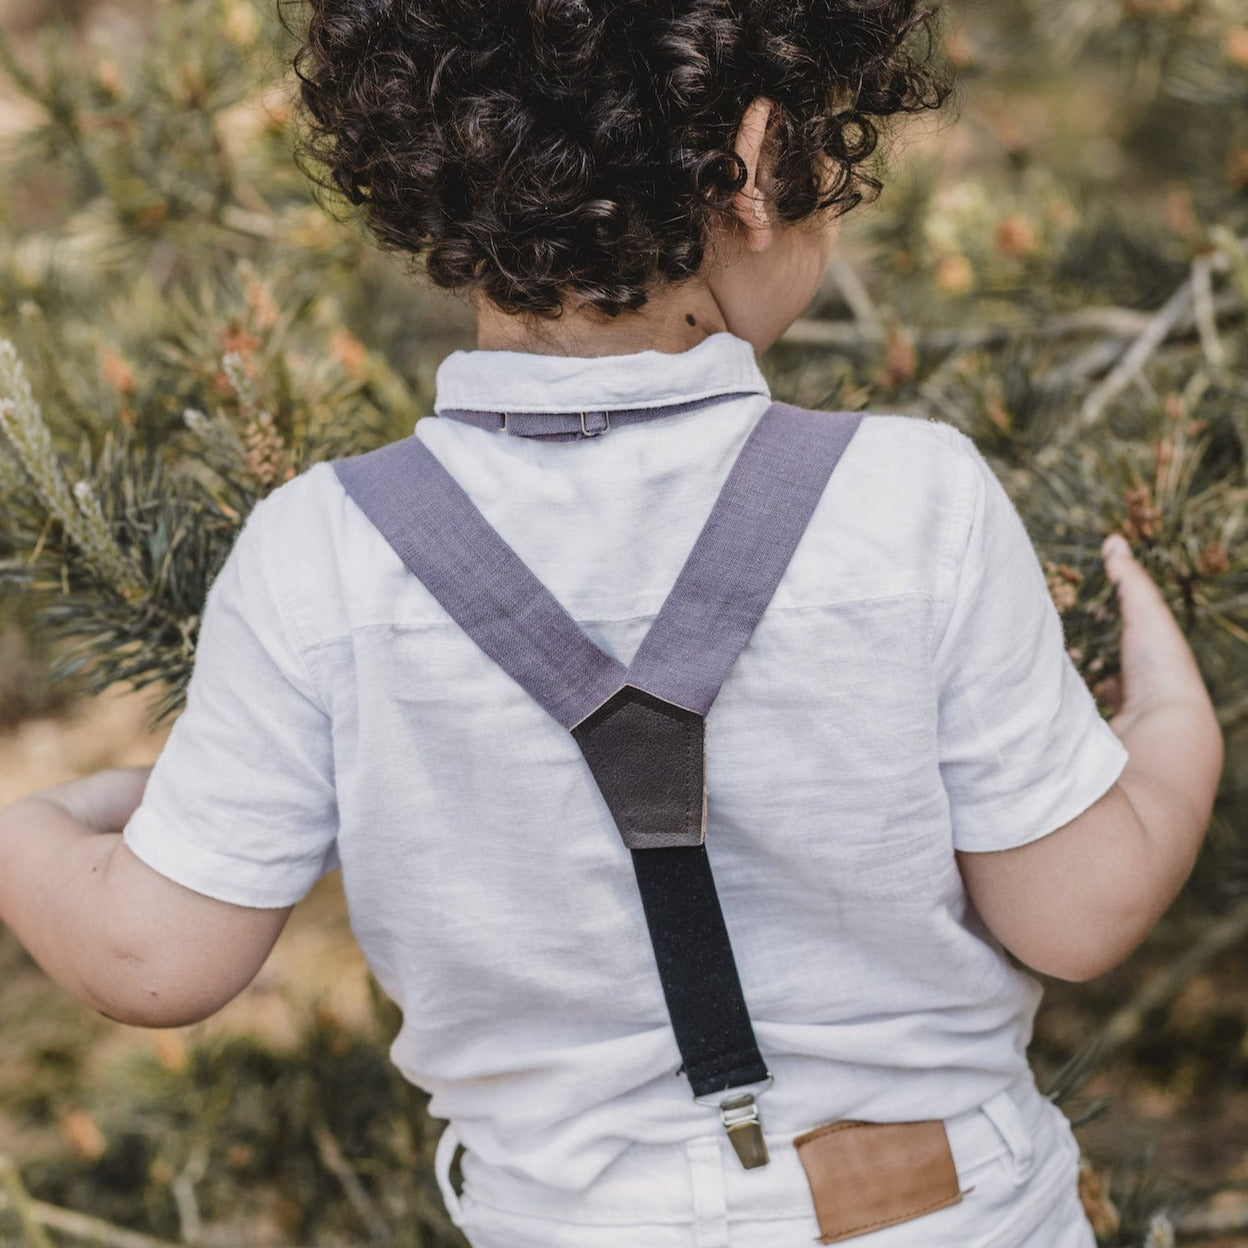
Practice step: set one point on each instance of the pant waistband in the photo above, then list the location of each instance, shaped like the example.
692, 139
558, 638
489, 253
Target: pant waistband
658, 1183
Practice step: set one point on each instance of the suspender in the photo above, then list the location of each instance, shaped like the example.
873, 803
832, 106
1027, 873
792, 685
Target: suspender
641, 728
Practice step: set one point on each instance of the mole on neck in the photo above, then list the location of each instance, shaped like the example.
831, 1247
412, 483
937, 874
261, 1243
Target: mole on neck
666, 323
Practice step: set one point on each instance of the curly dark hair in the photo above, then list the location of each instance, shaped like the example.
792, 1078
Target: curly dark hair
541, 151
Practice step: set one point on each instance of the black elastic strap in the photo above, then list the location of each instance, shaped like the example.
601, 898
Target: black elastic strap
697, 970
648, 758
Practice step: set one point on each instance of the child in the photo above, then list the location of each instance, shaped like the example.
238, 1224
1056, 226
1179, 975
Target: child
904, 771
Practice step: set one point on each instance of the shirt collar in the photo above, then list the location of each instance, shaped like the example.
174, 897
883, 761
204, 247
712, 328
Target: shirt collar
517, 381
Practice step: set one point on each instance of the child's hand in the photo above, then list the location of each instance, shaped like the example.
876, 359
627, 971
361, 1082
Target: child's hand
1158, 665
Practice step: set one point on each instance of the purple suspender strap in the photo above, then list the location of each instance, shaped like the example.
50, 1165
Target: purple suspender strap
641, 728
741, 554
706, 620
485, 587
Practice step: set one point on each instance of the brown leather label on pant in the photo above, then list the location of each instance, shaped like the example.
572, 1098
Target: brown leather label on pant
868, 1175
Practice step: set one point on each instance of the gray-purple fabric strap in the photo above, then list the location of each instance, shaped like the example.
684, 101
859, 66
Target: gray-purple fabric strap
485, 587
704, 623
741, 554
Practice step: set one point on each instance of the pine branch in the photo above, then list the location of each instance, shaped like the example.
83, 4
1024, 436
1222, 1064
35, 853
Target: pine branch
50, 367
1158, 330
1117, 322
41, 1217
331, 1157
1118, 325
19, 1200
75, 508
1216, 1221
183, 1188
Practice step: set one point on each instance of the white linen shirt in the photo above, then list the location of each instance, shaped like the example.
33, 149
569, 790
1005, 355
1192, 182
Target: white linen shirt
907, 693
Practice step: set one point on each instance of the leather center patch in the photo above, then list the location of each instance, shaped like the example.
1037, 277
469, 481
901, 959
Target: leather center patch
865, 1176
648, 758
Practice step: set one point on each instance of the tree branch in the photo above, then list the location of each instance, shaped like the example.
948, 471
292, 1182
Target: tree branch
332, 1159
1205, 1223
19, 1199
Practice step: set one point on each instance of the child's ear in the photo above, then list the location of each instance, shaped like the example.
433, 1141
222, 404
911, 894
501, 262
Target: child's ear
750, 204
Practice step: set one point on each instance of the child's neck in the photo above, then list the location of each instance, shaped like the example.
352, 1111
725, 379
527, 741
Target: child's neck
674, 321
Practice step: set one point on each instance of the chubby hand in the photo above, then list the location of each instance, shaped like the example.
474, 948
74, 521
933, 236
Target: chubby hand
1158, 665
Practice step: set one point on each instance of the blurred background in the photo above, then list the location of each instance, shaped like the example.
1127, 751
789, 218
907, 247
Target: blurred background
1058, 265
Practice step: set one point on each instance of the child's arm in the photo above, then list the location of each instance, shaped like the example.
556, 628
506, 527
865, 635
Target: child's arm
1075, 903
130, 943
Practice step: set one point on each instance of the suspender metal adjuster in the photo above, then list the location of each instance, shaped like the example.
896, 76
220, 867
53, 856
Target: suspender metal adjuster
593, 424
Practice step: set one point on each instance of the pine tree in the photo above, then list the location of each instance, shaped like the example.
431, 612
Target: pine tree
184, 311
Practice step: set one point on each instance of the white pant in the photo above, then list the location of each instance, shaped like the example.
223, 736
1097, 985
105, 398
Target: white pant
1016, 1158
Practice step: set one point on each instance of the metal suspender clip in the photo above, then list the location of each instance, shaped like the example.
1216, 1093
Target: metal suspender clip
739, 1114
745, 1131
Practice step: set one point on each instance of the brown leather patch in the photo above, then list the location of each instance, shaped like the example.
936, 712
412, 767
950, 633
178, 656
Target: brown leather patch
868, 1175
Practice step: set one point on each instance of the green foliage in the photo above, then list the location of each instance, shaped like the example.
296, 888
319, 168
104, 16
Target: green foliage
186, 311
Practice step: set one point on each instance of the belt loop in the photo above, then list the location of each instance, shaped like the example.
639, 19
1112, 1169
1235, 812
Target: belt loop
1004, 1114
443, 1159
710, 1201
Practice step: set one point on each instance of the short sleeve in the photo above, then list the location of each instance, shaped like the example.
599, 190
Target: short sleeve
240, 804
1022, 746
